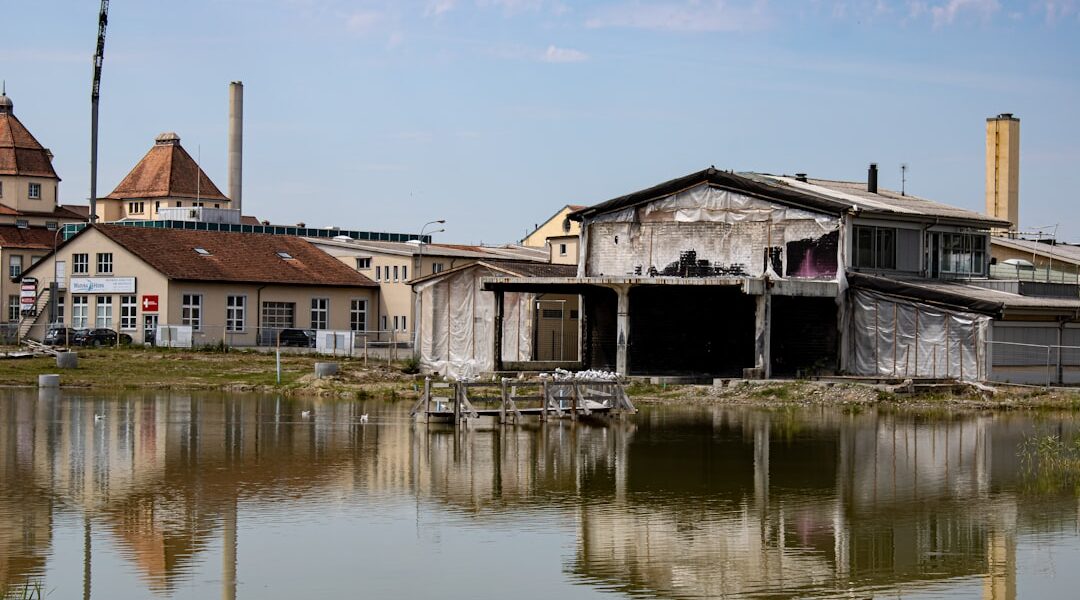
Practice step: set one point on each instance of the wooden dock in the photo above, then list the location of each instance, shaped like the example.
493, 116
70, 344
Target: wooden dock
515, 399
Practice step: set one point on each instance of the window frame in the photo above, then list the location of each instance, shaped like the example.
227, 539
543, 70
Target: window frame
15, 265
129, 312
363, 264
104, 259
236, 313
80, 321
31, 188
14, 308
354, 312
323, 311
103, 319
191, 310
80, 263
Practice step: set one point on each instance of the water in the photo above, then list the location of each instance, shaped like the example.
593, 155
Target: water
171, 495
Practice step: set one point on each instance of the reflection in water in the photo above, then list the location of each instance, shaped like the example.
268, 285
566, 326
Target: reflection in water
679, 502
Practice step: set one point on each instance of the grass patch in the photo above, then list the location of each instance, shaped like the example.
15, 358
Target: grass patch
1051, 462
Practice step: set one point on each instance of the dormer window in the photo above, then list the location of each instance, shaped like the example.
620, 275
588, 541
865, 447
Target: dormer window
34, 191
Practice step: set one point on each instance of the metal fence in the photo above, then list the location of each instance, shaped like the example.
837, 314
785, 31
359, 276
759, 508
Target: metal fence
1040, 274
1039, 364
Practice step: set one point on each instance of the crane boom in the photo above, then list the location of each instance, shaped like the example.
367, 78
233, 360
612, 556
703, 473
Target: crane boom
95, 93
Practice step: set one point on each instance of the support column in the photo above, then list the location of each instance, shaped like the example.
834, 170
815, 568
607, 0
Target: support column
498, 364
622, 322
763, 333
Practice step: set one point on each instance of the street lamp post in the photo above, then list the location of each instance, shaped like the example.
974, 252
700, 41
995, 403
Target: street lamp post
419, 271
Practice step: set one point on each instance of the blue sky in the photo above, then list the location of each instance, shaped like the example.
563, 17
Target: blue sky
494, 113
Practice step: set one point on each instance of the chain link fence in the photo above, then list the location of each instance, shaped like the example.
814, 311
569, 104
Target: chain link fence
1036, 364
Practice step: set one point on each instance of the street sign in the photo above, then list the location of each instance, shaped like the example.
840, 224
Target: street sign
149, 303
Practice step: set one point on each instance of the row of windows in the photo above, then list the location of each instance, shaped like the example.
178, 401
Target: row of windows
277, 315
946, 253
391, 273
80, 263
400, 323
15, 264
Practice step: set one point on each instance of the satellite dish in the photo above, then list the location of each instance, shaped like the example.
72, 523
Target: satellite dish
1019, 263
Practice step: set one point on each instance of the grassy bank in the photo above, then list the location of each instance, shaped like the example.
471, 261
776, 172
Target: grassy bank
156, 368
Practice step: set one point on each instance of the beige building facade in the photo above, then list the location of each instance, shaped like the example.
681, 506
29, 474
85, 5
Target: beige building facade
557, 225
240, 289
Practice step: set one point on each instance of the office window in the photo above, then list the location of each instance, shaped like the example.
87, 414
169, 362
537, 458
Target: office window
80, 312
104, 262
13, 308
34, 191
80, 264
363, 263
235, 312
128, 308
320, 313
104, 315
191, 311
14, 266
358, 315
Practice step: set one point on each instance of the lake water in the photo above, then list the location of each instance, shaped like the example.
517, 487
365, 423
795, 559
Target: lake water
171, 495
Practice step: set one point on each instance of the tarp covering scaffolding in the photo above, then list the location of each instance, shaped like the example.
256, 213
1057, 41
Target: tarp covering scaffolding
897, 337
457, 324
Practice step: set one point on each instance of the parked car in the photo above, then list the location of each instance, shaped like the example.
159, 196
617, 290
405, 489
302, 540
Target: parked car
304, 338
61, 336
99, 337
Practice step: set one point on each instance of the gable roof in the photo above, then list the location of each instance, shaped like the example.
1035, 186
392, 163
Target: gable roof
167, 171
232, 257
20, 152
822, 195
512, 268
572, 209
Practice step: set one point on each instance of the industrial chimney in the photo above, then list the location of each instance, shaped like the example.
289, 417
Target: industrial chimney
871, 179
1003, 168
236, 143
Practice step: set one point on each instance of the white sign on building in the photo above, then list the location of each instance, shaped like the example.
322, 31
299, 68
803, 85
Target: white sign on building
102, 285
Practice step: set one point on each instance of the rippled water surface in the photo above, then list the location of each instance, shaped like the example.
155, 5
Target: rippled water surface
195, 496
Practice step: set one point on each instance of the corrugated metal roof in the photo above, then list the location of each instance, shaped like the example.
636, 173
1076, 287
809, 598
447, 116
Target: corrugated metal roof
1066, 253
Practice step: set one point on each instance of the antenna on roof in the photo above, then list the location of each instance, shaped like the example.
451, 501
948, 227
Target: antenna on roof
198, 173
903, 179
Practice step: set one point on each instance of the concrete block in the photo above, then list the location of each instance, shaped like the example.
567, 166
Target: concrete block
753, 373
67, 360
48, 380
325, 369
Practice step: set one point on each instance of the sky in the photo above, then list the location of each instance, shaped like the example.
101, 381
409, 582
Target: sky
493, 114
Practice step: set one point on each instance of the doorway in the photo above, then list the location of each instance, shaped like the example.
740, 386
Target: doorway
150, 328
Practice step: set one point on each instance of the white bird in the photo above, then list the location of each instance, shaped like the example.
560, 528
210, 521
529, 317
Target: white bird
363, 418
305, 414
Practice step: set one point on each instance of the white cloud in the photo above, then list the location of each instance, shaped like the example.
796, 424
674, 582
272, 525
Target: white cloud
554, 54
363, 21
693, 15
1057, 10
947, 13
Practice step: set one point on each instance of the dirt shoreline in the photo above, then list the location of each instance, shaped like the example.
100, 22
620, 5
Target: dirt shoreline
255, 372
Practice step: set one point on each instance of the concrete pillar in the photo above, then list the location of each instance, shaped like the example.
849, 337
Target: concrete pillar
763, 333
622, 321
499, 308
236, 144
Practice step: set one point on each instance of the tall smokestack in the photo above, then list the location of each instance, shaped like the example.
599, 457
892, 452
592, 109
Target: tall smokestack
236, 143
1003, 168
871, 179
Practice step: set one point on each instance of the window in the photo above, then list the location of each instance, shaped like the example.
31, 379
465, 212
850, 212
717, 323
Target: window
80, 264
128, 307
395, 323
405, 273
395, 273
80, 312
14, 266
437, 267
875, 247
320, 313
22, 223
34, 191
59, 308
202, 252
104, 262
1, 189
136, 207
157, 206
562, 249
278, 315
235, 312
52, 225
285, 255
378, 273
104, 315
963, 253
191, 311
404, 323
363, 263
358, 315
13, 308
34, 260
384, 326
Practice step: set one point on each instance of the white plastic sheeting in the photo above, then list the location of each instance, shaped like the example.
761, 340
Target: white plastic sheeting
337, 343
721, 226
173, 336
894, 337
457, 326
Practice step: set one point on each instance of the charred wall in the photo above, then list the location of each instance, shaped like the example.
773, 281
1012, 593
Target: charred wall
804, 335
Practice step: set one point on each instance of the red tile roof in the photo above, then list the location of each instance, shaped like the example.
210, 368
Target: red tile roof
27, 237
20, 153
234, 257
167, 171
71, 212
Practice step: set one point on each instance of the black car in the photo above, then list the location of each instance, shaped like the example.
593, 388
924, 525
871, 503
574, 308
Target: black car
99, 337
304, 338
61, 336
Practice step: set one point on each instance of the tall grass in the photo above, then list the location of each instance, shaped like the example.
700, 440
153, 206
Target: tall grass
1050, 462
28, 591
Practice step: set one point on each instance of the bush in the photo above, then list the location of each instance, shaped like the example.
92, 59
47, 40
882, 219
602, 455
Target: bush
411, 365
